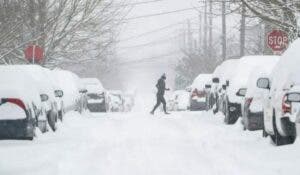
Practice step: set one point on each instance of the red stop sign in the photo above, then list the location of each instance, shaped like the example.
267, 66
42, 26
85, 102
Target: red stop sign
34, 53
278, 40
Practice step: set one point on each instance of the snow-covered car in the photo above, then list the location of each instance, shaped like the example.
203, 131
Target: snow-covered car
97, 95
74, 97
252, 110
278, 122
42, 81
237, 88
198, 96
58, 93
20, 108
116, 101
36, 75
181, 100
220, 79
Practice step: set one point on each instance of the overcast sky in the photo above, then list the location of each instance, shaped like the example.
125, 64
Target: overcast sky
149, 61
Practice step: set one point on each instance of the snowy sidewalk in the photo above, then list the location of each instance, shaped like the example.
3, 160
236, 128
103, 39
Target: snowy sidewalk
140, 144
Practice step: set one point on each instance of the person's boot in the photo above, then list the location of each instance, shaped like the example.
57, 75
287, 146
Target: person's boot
152, 112
167, 113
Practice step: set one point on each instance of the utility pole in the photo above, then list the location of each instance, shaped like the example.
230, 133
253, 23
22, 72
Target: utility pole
224, 31
243, 31
190, 37
210, 30
200, 34
205, 29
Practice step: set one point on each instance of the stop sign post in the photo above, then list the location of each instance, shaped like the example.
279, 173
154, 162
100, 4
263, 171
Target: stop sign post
278, 41
34, 54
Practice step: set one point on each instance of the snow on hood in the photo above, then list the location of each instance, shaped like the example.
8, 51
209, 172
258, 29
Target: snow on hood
242, 74
260, 71
201, 80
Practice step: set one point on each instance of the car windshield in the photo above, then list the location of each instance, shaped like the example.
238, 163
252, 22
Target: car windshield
95, 96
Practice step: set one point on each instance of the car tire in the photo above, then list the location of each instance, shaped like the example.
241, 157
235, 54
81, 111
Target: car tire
279, 140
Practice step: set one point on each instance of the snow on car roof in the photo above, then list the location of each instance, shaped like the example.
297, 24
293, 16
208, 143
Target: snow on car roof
92, 84
287, 70
36, 74
226, 70
260, 71
201, 80
242, 74
27, 96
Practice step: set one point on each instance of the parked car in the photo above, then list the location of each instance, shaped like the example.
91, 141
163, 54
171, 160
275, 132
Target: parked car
43, 82
181, 100
220, 81
293, 97
58, 93
20, 105
278, 123
97, 95
252, 110
18, 113
36, 75
237, 88
74, 97
198, 93
116, 101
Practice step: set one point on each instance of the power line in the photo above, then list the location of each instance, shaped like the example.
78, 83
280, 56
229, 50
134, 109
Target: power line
162, 41
155, 30
138, 3
159, 14
150, 59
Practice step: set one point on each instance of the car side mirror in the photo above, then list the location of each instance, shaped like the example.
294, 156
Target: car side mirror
216, 80
207, 86
241, 92
263, 83
293, 97
44, 97
59, 93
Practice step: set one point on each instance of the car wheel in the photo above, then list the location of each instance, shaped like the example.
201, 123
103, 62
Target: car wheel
279, 140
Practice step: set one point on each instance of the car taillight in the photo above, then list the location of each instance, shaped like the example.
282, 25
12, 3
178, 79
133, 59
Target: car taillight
249, 101
195, 93
15, 101
286, 107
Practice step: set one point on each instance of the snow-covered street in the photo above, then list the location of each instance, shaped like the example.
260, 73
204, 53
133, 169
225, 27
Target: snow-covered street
138, 143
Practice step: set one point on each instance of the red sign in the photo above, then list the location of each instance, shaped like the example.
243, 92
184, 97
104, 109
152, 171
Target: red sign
34, 54
278, 40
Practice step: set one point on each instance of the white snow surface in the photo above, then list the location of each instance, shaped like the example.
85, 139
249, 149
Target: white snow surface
243, 71
201, 80
186, 143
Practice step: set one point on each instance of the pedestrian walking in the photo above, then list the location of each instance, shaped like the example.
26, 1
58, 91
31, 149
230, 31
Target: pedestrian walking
161, 88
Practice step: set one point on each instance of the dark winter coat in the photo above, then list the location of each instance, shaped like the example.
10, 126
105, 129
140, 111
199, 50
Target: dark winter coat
161, 86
